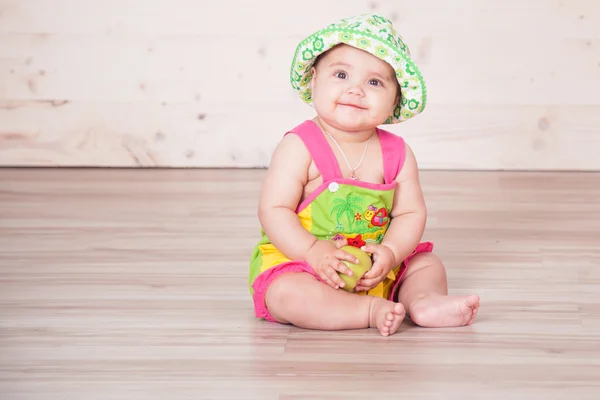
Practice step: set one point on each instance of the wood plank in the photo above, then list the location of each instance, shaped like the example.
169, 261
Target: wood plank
200, 134
575, 18
172, 69
484, 69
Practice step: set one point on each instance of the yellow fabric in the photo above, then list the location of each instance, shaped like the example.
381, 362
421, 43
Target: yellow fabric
306, 217
384, 289
271, 256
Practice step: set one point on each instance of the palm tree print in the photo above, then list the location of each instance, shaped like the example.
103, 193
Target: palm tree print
347, 207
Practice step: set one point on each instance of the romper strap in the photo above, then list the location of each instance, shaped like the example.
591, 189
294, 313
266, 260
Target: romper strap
319, 149
393, 149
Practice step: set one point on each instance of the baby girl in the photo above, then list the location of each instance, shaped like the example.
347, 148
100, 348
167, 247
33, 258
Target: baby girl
339, 180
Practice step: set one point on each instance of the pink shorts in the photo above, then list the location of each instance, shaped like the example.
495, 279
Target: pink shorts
262, 282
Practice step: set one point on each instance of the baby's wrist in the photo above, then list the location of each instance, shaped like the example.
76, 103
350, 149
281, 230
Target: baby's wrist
395, 257
310, 248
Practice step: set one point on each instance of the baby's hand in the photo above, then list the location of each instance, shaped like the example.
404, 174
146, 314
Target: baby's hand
384, 261
325, 257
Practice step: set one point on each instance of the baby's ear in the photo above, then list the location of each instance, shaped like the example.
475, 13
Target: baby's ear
313, 76
398, 97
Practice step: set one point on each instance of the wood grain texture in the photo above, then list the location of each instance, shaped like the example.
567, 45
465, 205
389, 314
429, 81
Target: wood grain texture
160, 134
511, 85
576, 18
120, 284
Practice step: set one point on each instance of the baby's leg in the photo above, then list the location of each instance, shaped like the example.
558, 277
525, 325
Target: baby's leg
424, 294
302, 300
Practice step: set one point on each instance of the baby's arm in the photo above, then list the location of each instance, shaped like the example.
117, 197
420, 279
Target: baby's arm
281, 193
280, 196
409, 213
408, 216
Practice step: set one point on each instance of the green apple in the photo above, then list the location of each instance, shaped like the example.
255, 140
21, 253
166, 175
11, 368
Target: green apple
358, 270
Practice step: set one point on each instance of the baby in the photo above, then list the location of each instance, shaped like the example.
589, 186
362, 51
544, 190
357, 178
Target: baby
339, 180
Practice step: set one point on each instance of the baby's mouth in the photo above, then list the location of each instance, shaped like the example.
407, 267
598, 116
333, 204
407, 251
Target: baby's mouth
352, 105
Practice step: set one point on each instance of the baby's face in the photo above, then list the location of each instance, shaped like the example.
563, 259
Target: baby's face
353, 89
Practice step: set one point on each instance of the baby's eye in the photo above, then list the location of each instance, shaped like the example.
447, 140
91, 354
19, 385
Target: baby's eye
375, 82
340, 74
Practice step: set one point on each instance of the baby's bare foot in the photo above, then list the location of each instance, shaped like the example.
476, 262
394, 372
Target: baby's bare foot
386, 316
436, 311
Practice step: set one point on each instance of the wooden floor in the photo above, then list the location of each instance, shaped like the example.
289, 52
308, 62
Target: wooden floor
130, 284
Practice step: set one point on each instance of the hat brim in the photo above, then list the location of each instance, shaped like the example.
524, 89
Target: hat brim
391, 50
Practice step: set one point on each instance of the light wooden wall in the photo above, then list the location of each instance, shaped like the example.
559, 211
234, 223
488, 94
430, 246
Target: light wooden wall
512, 84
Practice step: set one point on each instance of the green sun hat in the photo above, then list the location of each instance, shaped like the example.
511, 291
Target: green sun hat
376, 35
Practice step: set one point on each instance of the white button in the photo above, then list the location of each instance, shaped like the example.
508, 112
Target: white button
333, 187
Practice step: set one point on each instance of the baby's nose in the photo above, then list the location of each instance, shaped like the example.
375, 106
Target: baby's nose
356, 90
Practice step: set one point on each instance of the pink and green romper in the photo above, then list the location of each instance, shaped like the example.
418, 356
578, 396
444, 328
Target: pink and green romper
338, 208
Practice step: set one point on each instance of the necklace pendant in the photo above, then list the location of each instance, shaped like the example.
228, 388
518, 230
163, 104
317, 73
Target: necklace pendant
353, 177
